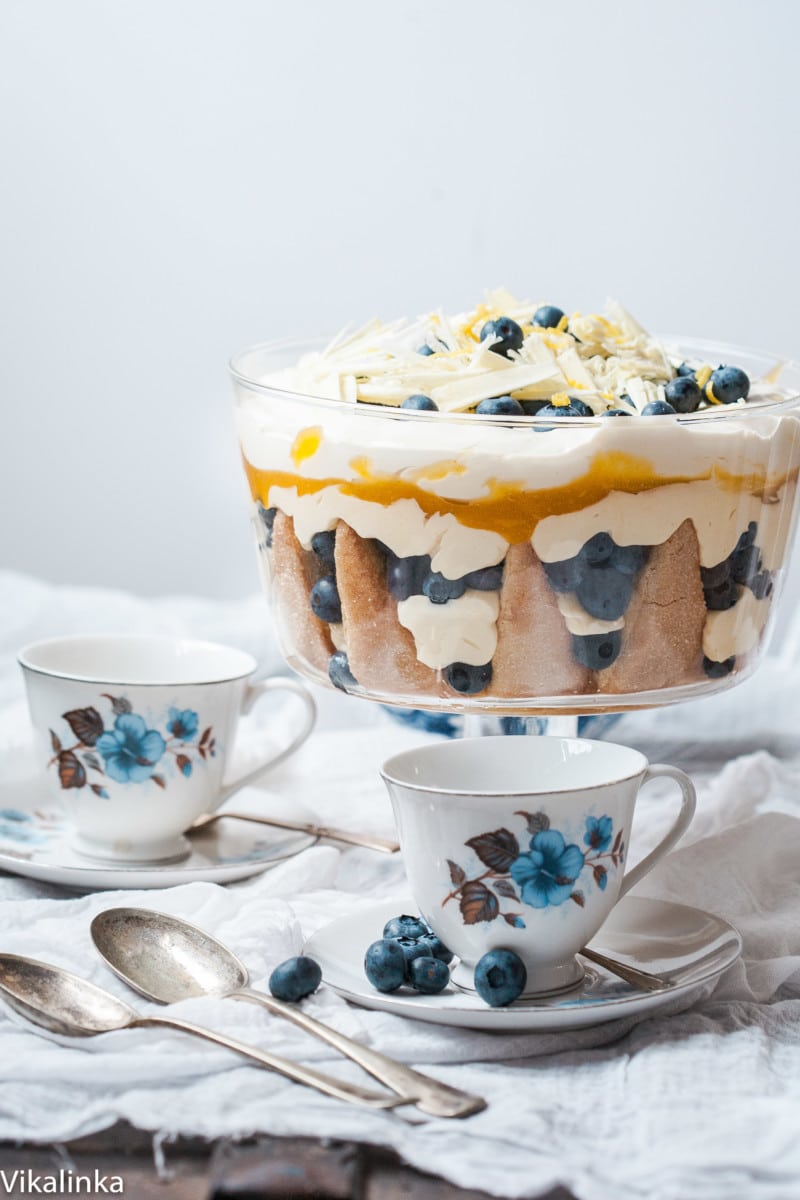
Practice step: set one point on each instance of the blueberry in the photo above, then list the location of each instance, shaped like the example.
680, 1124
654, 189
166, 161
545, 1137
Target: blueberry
485, 579
745, 564
684, 371
721, 597
426, 350
267, 516
583, 408
615, 412
748, 537
324, 600
464, 678
683, 394
716, 576
411, 948
761, 585
322, 544
630, 559
385, 965
597, 650
405, 576
500, 406
564, 576
436, 947
420, 402
599, 549
500, 977
718, 670
509, 333
547, 317
405, 926
658, 408
339, 672
727, 385
295, 978
605, 593
575, 408
429, 975
439, 589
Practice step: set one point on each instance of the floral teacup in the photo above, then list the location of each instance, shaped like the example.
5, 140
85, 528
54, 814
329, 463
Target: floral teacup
521, 844
133, 733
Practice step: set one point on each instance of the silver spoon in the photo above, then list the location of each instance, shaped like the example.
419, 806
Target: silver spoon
64, 1003
167, 959
370, 841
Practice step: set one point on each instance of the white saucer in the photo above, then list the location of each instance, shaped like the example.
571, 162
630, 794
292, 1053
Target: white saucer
34, 842
691, 948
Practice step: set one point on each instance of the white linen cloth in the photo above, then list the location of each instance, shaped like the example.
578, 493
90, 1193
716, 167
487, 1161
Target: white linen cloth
698, 1105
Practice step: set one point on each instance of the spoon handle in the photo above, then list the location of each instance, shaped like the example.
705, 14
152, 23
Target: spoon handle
641, 979
300, 1074
368, 840
430, 1096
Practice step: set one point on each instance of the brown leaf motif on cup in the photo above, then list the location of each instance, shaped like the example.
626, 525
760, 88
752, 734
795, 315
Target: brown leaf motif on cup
541, 876
126, 750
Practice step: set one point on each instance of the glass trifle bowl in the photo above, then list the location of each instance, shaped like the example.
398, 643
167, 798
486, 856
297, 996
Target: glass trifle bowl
520, 512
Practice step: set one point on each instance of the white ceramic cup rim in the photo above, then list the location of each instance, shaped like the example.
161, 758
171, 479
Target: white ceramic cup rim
398, 769
48, 657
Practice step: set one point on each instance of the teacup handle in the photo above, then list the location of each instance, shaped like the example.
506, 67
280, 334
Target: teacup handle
676, 831
253, 693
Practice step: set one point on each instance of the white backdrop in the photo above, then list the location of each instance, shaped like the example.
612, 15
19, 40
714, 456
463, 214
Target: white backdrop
183, 177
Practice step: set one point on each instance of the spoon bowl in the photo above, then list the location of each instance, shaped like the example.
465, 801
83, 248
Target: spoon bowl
164, 958
59, 1000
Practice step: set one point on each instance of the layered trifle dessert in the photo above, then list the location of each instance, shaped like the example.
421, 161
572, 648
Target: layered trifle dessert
520, 508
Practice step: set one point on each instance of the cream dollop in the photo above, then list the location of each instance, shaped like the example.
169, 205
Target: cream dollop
462, 630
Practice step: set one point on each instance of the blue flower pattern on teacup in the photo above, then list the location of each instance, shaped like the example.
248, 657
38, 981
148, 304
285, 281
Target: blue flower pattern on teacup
598, 834
543, 876
130, 750
183, 724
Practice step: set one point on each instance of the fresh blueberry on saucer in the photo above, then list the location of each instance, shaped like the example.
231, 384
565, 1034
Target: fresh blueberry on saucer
295, 978
616, 412
420, 402
436, 947
500, 977
685, 370
412, 948
727, 385
405, 926
506, 333
385, 965
428, 974
548, 316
